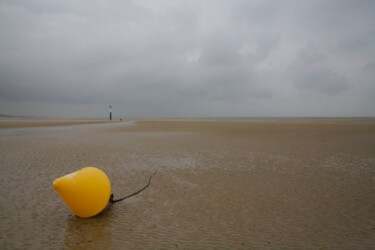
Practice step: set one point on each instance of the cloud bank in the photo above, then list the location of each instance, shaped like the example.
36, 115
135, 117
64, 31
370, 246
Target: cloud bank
187, 58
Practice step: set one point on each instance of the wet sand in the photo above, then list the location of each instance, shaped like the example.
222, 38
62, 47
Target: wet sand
45, 122
260, 184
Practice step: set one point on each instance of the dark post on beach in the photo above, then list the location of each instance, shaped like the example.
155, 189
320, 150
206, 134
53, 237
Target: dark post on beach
110, 112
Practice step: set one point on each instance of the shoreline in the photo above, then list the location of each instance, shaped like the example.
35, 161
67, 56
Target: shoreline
20, 122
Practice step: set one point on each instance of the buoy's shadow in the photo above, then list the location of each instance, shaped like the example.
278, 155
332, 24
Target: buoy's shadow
90, 232
107, 211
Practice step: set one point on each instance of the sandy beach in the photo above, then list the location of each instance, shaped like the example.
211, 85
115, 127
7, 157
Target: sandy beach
220, 184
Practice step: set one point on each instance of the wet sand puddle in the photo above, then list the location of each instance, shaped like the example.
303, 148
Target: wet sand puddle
219, 185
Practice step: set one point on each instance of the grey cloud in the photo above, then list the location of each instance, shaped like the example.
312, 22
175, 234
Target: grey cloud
309, 73
186, 58
322, 80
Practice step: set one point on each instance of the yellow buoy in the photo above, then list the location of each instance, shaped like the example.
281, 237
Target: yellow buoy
86, 192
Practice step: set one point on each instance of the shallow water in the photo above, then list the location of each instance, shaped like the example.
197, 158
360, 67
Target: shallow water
298, 186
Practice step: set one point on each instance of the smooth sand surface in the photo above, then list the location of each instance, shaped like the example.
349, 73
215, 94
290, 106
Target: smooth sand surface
275, 184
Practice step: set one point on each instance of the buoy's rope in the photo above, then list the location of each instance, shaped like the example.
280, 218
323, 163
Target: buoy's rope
112, 201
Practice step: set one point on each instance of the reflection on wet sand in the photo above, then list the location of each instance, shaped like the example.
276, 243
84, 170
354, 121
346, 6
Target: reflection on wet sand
220, 184
89, 233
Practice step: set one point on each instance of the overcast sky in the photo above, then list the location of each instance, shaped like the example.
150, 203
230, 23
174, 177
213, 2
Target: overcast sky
187, 58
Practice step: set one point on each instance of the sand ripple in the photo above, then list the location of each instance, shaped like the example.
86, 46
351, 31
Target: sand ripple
307, 186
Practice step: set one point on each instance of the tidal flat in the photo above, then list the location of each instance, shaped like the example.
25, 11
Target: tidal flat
228, 184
